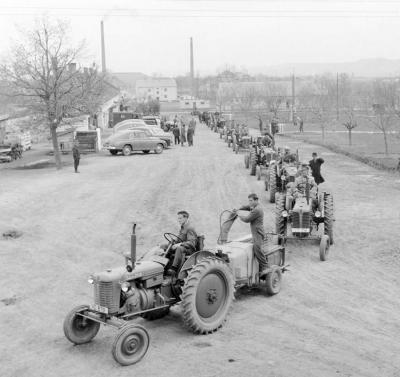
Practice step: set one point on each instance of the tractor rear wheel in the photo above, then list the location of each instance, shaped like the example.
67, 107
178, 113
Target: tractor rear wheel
130, 344
207, 296
328, 219
273, 281
78, 329
280, 223
272, 184
324, 248
253, 162
155, 314
247, 160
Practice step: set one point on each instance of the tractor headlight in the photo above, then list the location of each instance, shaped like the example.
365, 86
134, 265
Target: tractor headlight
284, 213
125, 286
90, 279
317, 214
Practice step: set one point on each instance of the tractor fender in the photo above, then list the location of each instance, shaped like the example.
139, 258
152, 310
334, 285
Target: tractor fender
192, 260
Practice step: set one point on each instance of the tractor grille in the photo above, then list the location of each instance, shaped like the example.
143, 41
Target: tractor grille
107, 294
305, 217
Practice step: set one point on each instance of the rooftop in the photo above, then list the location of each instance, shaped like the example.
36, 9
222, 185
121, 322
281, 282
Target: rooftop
156, 83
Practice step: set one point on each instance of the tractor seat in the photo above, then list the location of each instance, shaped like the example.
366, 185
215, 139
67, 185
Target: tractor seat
200, 243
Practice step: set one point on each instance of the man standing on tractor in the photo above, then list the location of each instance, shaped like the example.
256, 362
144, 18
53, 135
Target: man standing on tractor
267, 139
188, 236
256, 220
315, 165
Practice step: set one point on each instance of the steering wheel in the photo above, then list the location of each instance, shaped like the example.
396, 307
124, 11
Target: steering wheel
172, 238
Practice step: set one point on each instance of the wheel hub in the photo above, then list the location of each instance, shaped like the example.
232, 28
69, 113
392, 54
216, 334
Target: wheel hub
131, 345
212, 296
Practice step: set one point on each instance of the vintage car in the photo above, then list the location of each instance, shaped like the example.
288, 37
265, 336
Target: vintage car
155, 131
134, 140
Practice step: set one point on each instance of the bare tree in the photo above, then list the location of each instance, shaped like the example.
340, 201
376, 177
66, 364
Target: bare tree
383, 100
347, 104
42, 70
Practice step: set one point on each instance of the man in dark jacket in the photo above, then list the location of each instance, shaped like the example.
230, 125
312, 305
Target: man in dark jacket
256, 220
188, 235
315, 165
177, 134
190, 133
76, 155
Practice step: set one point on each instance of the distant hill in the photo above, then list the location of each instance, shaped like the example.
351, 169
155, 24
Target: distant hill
378, 67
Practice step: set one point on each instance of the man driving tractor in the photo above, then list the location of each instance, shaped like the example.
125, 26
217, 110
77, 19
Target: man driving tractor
187, 246
298, 188
256, 220
288, 156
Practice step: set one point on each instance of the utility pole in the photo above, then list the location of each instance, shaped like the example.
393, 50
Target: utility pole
337, 96
293, 98
103, 49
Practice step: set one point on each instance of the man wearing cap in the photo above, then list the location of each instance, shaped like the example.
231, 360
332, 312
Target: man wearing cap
315, 165
298, 188
188, 236
256, 220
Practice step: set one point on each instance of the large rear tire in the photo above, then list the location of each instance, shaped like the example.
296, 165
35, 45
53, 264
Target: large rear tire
329, 217
130, 344
78, 329
272, 184
280, 222
253, 162
207, 296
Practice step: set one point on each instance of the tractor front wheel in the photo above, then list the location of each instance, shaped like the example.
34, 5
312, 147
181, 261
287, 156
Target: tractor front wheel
207, 296
324, 248
130, 344
78, 329
273, 281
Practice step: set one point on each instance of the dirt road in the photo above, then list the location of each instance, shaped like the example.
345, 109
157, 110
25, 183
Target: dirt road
334, 318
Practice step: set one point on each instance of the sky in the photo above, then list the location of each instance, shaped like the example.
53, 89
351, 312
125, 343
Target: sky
152, 36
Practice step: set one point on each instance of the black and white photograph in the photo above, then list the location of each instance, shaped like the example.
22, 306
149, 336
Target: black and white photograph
200, 188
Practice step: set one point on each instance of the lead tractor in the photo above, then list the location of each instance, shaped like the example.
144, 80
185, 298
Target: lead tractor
204, 287
302, 217
241, 143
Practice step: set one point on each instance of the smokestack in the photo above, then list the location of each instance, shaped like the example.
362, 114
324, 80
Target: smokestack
191, 66
103, 49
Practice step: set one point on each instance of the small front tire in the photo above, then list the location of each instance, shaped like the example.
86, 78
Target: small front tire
324, 248
159, 149
78, 329
273, 281
130, 344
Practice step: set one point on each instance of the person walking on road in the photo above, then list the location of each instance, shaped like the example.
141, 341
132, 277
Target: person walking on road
315, 165
301, 124
76, 155
190, 133
183, 134
256, 220
177, 134
192, 124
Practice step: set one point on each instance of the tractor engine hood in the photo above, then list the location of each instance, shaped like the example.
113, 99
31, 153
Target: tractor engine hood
110, 275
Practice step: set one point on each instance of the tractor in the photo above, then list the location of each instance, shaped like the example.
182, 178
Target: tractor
301, 217
241, 142
279, 174
204, 286
259, 158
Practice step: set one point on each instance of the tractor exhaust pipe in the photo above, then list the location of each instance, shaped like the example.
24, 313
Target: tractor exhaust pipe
133, 246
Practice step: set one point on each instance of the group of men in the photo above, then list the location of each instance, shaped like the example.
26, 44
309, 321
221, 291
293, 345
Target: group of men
180, 133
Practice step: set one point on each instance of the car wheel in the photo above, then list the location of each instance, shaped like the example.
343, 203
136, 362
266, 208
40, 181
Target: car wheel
127, 150
159, 148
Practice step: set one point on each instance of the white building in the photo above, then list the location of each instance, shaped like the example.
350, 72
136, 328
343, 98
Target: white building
161, 89
191, 103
